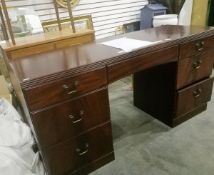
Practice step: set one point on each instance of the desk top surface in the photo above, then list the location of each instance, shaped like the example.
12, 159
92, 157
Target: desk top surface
80, 58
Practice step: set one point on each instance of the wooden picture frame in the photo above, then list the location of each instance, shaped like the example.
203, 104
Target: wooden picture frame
81, 23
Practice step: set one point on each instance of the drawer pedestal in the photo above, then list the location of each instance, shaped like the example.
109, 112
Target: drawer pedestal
177, 91
71, 120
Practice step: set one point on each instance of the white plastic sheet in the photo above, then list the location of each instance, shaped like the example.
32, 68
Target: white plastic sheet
16, 154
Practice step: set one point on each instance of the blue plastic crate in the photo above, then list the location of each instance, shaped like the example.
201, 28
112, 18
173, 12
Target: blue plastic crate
148, 12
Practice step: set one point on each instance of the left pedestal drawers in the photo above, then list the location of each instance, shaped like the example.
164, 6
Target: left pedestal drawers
71, 120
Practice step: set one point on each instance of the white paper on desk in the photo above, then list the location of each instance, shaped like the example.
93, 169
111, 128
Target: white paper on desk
127, 44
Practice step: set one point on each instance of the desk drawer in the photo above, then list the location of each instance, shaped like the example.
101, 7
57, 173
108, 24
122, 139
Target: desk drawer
194, 68
75, 41
195, 47
76, 153
70, 119
57, 91
129, 66
27, 51
193, 96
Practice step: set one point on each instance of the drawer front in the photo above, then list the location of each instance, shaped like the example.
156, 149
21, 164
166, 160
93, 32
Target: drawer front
75, 40
74, 154
27, 51
70, 119
195, 47
194, 68
193, 96
127, 67
51, 93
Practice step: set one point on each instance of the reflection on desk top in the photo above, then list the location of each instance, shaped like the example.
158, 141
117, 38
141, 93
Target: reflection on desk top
92, 55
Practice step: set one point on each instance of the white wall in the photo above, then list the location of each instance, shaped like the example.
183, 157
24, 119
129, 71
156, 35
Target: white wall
107, 14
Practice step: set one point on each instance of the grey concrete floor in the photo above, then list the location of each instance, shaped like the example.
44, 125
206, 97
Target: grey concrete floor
145, 146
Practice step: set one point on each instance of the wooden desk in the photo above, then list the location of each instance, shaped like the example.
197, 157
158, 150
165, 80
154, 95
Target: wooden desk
64, 93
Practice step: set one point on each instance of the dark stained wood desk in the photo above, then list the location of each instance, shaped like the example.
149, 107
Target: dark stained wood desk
64, 93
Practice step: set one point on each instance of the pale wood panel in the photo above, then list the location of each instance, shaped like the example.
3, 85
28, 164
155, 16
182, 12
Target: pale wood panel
46, 42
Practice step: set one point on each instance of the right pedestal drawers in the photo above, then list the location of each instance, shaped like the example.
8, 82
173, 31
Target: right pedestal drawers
194, 87
176, 91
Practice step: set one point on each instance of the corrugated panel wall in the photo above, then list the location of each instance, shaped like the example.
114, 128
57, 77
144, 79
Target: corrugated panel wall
107, 14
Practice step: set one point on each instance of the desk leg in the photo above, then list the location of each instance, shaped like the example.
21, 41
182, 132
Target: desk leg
154, 91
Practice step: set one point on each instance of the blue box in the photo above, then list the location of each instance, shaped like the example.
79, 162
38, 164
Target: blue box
148, 12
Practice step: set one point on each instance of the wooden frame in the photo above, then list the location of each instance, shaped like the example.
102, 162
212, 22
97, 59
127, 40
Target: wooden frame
81, 23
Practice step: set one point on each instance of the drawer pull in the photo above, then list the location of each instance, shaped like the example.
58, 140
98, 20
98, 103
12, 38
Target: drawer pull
71, 92
197, 64
200, 46
78, 120
197, 92
73, 87
80, 152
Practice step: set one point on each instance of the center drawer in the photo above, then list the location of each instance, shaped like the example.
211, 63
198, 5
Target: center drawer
72, 118
193, 96
126, 67
64, 89
74, 154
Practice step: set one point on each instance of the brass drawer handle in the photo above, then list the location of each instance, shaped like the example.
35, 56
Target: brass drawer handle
78, 120
197, 64
70, 89
80, 152
200, 46
72, 92
197, 92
